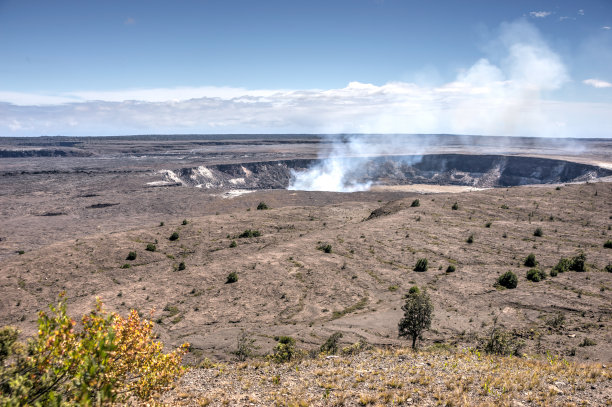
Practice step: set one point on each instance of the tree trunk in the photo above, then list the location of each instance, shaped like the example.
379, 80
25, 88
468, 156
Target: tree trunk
414, 338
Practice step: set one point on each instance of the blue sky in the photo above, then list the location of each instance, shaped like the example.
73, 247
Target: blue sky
540, 68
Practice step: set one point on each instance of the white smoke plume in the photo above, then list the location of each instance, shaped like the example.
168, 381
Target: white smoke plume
487, 98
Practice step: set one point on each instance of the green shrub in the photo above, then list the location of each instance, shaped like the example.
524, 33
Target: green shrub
126, 266
174, 236
608, 244
579, 263
246, 346
530, 260
562, 266
553, 273
231, 278
331, 344
609, 268
488, 225
415, 203
131, 256
501, 342
110, 359
151, 247
249, 233
285, 349
233, 244
414, 290
185, 222
325, 247
262, 206
421, 265
451, 268
455, 206
535, 275
508, 280
161, 223
470, 239
181, 266
587, 342
538, 232
504, 206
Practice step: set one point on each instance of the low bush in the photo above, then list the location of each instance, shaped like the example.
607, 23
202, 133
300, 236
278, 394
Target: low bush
608, 244
609, 268
530, 260
538, 232
451, 268
415, 203
250, 233
231, 278
181, 266
131, 256
562, 266
470, 239
325, 247
488, 225
262, 206
421, 265
535, 275
185, 222
233, 244
414, 290
579, 263
285, 349
455, 206
174, 236
151, 247
501, 342
331, 344
508, 280
587, 342
126, 266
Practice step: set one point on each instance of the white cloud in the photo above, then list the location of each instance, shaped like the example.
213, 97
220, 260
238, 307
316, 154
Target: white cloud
540, 14
596, 83
496, 96
606, 27
581, 12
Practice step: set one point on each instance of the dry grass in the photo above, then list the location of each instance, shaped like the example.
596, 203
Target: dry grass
399, 377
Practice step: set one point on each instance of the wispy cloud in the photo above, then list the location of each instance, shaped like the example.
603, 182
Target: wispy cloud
596, 83
606, 27
540, 14
581, 12
499, 96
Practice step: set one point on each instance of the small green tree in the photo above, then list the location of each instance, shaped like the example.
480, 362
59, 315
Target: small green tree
231, 278
285, 349
262, 206
418, 311
151, 247
415, 203
131, 256
579, 263
174, 236
535, 275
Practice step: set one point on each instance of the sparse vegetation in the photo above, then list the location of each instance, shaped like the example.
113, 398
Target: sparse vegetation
415, 203
184, 222
174, 236
562, 266
233, 244
131, 256
455, 206
421, 265
470, 239
538, 232
126, 266
488, 224
151, 247
451, 268
508, 280
246, 346
232, 278
181, 266
587, 342
609, 268
418, 310
530, 260
262, 206
535, 275
608, 244
501, 342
